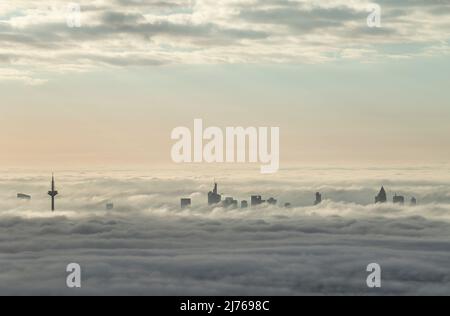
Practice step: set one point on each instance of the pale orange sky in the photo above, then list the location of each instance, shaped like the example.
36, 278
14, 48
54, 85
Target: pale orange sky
327, 115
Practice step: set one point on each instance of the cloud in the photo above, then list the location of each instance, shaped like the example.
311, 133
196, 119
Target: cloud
26, 77
148, 245
35, 33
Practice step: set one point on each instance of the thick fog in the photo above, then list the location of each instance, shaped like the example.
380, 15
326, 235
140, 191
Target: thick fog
147, 245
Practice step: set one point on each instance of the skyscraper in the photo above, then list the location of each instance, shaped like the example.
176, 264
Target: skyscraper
53, 193
257, 200
381, 197
398, 199
186, 203
318, 198
229, 202
213, 196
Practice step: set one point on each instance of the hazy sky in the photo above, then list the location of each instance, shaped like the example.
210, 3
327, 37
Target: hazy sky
111, 91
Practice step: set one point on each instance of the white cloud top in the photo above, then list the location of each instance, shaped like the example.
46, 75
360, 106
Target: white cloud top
118, 33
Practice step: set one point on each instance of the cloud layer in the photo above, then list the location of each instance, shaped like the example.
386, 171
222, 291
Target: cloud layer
126, 33
147, 245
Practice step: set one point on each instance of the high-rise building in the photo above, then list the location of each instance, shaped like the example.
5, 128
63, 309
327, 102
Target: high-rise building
257, 200
186, 203
229, 202
318, 198
213, 196
53, 193
22, 196
398, 199
381, 197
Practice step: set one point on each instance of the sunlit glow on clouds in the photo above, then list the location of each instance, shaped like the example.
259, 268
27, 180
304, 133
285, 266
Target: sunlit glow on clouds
122, 33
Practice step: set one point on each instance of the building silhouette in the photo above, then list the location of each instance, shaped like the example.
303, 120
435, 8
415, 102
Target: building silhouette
318, 198
257, 200
109, 206
398, 199
381, 197
186, 203
244, 204
413, 201
22, 196
229, 202
53, 193
213, 196
272, 201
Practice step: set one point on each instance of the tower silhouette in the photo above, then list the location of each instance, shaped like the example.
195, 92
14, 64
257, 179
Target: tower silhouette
53, 193
318, 198
382, 196
213, 196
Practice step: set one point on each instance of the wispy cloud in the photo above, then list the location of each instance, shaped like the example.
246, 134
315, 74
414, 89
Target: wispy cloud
26, 77
126, 33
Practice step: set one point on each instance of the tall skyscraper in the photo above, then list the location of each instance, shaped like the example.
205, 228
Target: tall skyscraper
381, 197
318, 198
213, 196
53, 193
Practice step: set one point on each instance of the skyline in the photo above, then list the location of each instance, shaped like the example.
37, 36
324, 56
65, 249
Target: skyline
223, 201
141, 245
218, 199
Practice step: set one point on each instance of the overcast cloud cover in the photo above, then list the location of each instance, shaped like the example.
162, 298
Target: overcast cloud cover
147, 245
35, 40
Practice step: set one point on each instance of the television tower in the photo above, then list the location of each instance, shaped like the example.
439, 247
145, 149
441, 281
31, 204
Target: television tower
53, 193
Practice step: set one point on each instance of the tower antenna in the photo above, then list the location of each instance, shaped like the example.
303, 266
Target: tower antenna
53, 193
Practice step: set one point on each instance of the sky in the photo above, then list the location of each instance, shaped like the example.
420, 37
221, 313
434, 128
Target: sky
111, 91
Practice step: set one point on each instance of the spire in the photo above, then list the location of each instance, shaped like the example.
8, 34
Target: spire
382, 196
53, 192
213, 196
